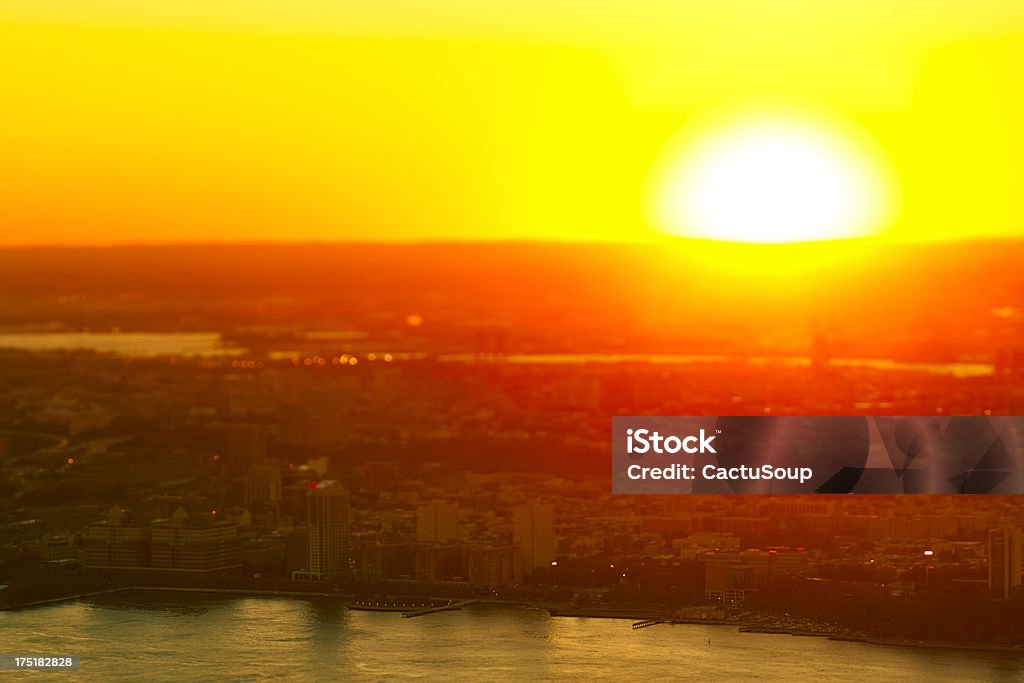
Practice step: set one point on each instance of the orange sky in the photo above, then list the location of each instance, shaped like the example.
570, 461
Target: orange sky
202, 121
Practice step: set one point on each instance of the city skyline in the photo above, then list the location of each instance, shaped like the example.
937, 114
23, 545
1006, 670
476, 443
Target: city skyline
342, 339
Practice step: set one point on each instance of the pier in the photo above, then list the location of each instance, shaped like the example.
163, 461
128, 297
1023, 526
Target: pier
649, 622
450, 607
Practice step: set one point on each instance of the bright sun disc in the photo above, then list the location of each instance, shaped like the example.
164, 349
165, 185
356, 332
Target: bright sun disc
771, 181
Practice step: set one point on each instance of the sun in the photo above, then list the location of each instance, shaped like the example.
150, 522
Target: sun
770, 181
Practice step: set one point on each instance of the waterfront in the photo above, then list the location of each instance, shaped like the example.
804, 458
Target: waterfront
186, 637
212, 344
127, 344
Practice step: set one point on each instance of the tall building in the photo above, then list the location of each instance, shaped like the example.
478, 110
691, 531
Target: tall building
327, 508
263, 484
1004, 562
184, 544
437, 522
493, 566
533, 530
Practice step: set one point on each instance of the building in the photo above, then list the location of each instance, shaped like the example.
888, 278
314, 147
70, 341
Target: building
1004, 562
796, 506
786, 560
264, 557
57, 548
183, 544
165, 506
731, 578
116, 542
696, 545
493, 566
327, 508
383, 561
263, 485
238, 516
441, 562
533, 530
437, 522
744, 527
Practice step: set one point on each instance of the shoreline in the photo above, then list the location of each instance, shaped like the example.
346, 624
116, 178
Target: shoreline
173, 589
635, 615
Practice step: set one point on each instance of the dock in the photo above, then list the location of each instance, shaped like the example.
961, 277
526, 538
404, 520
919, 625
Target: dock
450, 607
649, 622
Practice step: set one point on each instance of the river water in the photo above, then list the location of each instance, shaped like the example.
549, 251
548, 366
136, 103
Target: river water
184, 637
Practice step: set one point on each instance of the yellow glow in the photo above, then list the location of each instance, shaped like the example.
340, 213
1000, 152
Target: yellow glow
771, 181
223, 120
